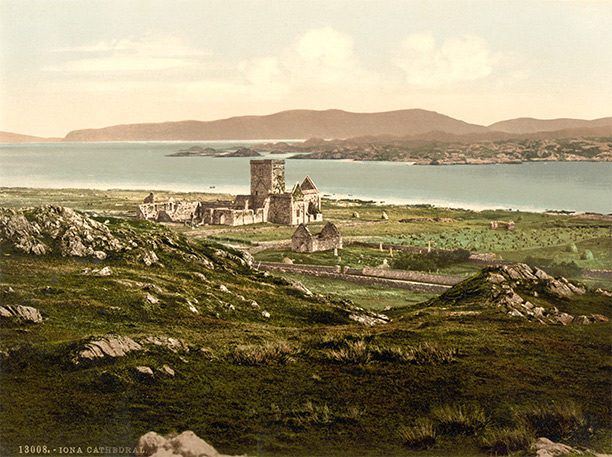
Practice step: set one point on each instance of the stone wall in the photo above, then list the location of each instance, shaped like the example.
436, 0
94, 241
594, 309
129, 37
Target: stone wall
334, 273
168, 211
281, 210
406, 275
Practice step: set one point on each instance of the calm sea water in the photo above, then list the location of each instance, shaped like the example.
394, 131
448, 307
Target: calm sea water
574, 186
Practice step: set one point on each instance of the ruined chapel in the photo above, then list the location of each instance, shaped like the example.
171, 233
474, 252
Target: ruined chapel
268, 201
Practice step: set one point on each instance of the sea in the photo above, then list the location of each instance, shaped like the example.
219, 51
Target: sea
532, 186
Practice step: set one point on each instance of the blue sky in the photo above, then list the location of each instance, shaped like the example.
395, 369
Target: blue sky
71, 64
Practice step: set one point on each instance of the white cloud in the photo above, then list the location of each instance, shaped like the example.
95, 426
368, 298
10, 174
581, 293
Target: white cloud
130, 55
321, 60
465, 58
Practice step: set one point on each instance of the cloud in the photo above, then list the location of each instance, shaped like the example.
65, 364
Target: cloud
320, 60
129, 55
461, 59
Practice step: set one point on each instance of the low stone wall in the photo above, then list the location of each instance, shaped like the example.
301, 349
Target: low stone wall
606, 274
333, 273
406, 275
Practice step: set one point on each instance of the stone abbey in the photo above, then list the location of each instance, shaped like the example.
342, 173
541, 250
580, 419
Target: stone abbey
269, 201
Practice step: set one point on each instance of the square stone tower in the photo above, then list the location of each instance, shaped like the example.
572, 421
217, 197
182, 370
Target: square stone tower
267, 177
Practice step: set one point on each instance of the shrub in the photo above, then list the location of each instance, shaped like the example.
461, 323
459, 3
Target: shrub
456, 419
270, 354
508, 441
420, 436
310, 414
351, 352
559, 421
431, 353
360, 352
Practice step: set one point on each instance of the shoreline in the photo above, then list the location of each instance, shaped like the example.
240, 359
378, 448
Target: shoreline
348, 199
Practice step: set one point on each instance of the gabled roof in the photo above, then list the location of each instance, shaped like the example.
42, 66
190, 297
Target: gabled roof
329, 231
302, 230
297, 191
307, 184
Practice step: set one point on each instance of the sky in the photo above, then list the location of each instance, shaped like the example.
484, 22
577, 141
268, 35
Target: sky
74, 64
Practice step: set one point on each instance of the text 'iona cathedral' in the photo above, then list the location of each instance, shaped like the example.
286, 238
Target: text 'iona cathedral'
269, 201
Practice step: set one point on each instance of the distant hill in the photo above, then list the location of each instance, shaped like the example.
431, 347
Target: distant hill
8, 137
414, 124
296, 124
525, 125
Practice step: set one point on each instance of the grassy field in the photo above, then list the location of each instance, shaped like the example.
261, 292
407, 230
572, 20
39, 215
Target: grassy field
305, 379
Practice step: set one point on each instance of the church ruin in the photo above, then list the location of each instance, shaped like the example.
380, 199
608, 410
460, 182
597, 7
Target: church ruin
304, 241
268, 201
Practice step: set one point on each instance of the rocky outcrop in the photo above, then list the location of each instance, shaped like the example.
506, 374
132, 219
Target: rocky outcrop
187, 444
55, 229
521, 291
100, 347
21, 313
106, 346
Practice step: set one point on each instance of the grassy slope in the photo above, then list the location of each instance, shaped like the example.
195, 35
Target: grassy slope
301, 402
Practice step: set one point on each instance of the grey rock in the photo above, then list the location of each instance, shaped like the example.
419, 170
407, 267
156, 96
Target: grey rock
583, 320
166, 369
150, 299
559, 288
100, 255
174, 344
20, 312
147, 256
106, 346
78, 235
369, 320
496, 278
187, 444
546, 448
564, 318
106, 271
147, 371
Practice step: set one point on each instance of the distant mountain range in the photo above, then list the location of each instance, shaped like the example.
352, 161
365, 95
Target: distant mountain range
332, 124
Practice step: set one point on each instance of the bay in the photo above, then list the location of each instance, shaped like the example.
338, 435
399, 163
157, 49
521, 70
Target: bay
533, 186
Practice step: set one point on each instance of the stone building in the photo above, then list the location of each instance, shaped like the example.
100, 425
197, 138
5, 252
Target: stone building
269, 201
508, 225
304, 241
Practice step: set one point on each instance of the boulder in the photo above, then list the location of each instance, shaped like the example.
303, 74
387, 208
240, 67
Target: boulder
22, 313
151, 300
167, 370
174, 344
144, 371
564, 318
106, 271
106, 346
546, 448
187, 444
